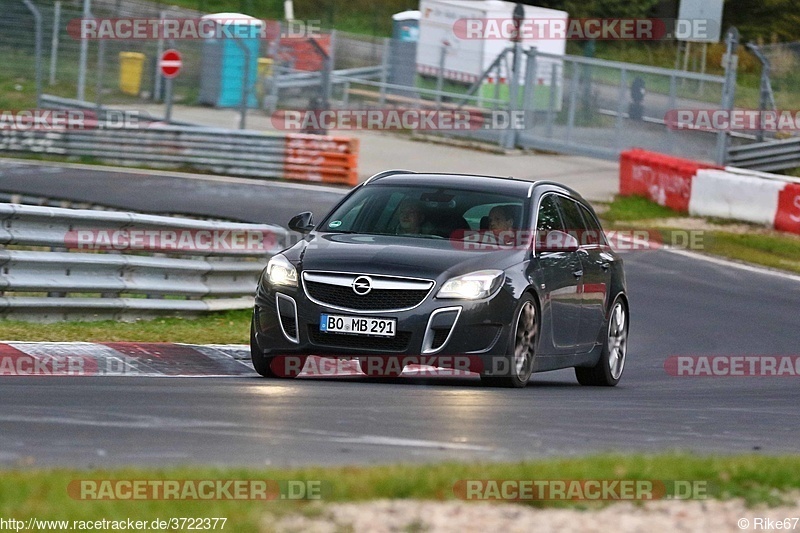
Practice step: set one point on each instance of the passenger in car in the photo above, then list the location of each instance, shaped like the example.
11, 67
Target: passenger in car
502, 223
501, 218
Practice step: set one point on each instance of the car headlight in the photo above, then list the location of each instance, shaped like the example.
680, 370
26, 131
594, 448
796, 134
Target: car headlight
473, 286
281, 272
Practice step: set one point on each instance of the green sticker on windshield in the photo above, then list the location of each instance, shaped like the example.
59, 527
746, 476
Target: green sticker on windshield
335, 224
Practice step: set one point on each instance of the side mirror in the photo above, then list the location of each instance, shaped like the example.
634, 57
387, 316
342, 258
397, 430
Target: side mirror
302, 223
556, 241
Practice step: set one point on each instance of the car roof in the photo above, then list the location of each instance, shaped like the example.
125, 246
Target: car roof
466, 181
498, 184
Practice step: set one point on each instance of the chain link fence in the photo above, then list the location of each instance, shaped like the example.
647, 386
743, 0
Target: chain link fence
126, 71
784, 67
570, 103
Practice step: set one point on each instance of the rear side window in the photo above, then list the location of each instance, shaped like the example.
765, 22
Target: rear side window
573, 221
596, 234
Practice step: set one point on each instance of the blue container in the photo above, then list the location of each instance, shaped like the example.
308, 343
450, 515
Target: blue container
224, 59
405, 26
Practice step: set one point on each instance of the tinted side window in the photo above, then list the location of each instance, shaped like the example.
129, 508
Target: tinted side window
549, 219
573, 221
596, 235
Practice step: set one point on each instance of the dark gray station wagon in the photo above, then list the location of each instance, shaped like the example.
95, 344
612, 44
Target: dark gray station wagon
502, 276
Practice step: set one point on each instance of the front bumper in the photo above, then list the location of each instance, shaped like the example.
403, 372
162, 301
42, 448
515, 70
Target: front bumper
287, 323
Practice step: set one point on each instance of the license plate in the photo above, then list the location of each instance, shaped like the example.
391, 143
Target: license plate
356, 325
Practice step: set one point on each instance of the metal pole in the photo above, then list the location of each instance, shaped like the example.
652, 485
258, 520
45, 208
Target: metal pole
245, 85
551, 109
510, 140
168, 98
686, 56
703, 61
673, 99
573, 96
330, 64
497, 75
387, 47
686, 59
159, 51
101, 63
87, 13
37, 17
440, 76
54, 41
326, 74
273, 88
623, 88
766, 99
728, 90
332, 58
529, 93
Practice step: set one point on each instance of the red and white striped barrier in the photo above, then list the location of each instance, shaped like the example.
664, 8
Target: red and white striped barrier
702, 189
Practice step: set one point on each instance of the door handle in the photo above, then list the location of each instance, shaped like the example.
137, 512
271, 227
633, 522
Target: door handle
578, 274
605, 267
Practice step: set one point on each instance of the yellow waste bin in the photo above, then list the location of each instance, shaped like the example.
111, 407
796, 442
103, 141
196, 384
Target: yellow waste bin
264, 71
131, 66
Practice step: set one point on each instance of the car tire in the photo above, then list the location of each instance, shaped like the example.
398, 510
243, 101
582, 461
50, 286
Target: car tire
608, 370
264, 365
521, 347
260, 362
380, 372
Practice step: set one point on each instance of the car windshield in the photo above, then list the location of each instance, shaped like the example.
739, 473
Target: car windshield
430, 212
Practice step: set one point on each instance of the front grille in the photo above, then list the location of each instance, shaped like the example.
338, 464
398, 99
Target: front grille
398, 343
376, 300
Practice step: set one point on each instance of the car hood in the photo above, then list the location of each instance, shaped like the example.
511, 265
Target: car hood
397, 255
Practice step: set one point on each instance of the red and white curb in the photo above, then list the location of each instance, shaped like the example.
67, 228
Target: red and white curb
123, 359
142, 359
702, 189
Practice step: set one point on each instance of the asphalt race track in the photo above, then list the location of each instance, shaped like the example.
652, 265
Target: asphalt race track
243, 200
681, 305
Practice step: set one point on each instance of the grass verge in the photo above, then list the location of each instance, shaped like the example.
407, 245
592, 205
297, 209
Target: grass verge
26, 493
231, 327
745, 242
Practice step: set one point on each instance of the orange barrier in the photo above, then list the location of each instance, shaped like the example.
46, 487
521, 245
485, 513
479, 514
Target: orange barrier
321, 158
787, 218
665, 179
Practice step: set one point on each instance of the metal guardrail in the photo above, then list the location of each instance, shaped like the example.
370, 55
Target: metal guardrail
255, 154
287, 78
153, 276
50, 101
767, 156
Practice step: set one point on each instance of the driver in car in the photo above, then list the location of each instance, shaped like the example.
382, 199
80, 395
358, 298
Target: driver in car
411, 218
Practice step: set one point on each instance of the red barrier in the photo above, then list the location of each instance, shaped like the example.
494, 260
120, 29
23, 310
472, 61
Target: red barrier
788, 216
664, 179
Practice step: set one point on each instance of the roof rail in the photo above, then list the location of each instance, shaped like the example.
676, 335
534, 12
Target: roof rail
385, 173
